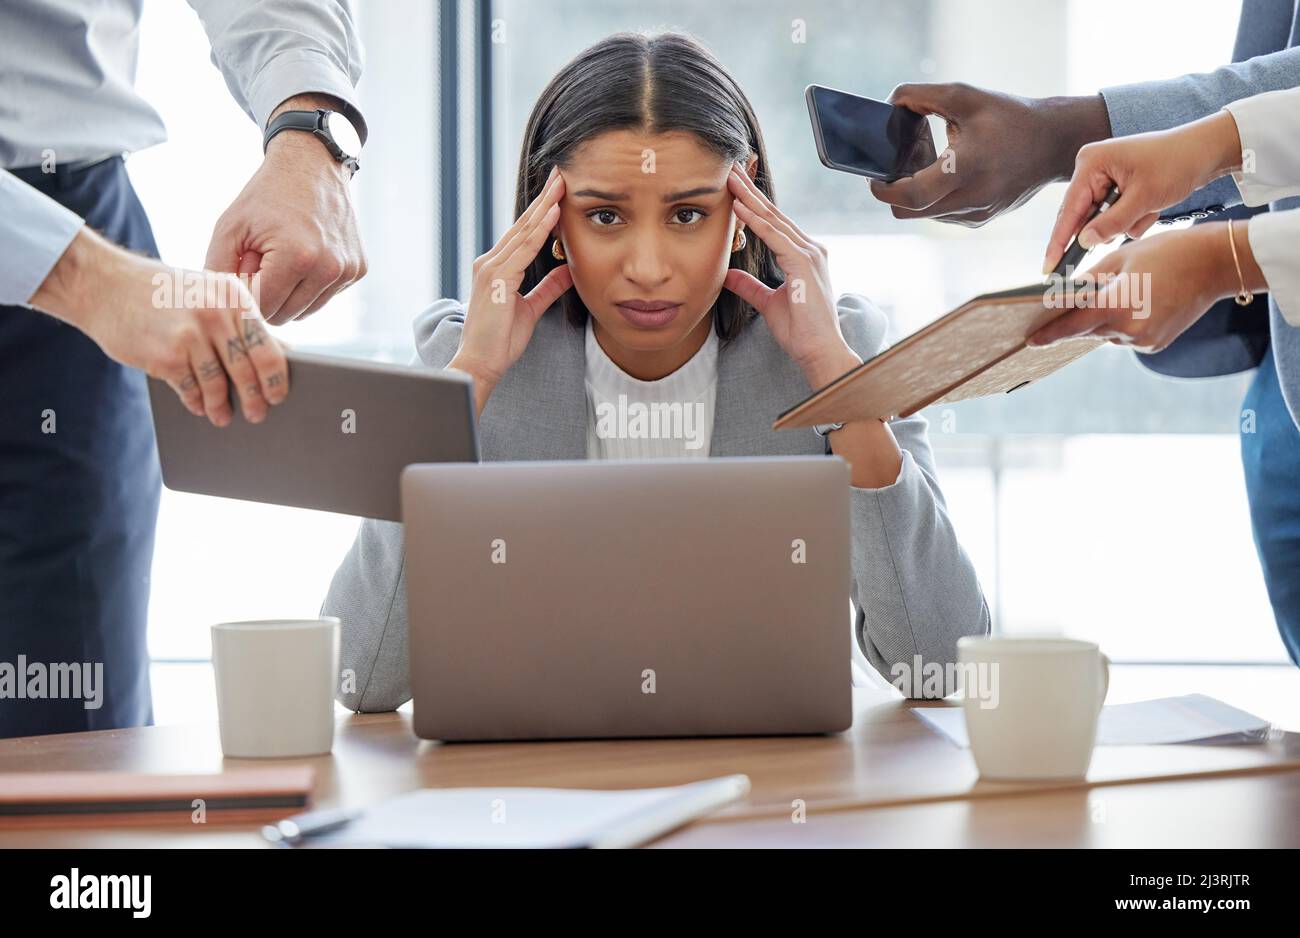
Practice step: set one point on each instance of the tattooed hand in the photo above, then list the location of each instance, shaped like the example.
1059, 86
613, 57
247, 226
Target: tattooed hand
199, 331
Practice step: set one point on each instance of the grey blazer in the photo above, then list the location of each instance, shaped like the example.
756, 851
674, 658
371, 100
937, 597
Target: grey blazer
914, 589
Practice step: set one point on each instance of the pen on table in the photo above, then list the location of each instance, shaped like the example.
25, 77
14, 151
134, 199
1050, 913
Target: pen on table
292, 831
1075, 252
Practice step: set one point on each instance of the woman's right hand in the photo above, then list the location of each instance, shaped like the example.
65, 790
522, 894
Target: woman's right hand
499, 321
1152, 172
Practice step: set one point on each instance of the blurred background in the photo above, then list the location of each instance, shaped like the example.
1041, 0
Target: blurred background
1165, 573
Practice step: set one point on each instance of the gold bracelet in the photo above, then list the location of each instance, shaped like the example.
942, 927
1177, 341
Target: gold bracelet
1244, 297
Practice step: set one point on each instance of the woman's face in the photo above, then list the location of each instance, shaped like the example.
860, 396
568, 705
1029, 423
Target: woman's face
647, 228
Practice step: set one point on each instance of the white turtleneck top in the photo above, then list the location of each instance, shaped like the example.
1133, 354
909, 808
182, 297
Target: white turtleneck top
632, 419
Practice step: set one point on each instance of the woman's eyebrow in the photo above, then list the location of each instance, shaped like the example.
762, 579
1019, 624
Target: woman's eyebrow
692, 193
598, 194
622, 196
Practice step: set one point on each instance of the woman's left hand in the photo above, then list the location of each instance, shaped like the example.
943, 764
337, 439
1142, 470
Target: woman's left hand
801, 312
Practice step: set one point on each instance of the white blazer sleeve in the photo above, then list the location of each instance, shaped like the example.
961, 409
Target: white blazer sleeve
1269, 126
1275, 242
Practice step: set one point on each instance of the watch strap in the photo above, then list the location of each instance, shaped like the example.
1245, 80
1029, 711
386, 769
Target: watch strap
309, 121
314, 123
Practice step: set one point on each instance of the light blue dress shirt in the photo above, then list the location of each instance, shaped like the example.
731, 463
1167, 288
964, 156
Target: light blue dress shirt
34, 232
67, 95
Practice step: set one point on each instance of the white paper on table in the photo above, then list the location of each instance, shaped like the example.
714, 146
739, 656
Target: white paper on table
1192, 718
532, 817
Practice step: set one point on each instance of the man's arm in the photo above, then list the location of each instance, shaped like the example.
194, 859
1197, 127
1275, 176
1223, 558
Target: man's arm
35, 231
1006, 148
293, 225
272, 50
52, 262
1002, 149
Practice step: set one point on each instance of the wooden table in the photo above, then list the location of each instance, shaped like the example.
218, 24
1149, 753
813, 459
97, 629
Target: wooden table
1249, 811
888, 781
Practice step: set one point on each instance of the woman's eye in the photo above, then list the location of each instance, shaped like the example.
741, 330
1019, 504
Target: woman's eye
604, 217
687, 216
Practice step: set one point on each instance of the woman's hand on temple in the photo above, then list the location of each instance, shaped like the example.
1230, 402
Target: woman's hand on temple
802, 317
801, 313
499, 321
1152, 171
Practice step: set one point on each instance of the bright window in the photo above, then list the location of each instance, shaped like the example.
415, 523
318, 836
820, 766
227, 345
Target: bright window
1167, 572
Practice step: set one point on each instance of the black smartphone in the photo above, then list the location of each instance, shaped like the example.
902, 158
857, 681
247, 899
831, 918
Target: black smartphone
866, 137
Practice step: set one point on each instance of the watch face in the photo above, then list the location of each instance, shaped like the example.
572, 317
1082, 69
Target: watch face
343, 133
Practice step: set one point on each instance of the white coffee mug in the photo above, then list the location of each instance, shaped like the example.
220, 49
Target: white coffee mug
1040, 720
275, 686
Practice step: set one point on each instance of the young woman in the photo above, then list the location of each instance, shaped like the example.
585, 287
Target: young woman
650, 265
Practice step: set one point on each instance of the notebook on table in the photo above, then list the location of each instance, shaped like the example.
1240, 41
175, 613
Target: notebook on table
530, 818
40, 799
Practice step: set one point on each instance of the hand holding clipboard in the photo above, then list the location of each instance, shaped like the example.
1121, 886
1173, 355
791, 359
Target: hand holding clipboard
978, 349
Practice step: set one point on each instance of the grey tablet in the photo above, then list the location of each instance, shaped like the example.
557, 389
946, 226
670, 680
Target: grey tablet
338, 442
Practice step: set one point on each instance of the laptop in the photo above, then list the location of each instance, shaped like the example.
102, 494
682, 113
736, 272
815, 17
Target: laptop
637, 598
338, 442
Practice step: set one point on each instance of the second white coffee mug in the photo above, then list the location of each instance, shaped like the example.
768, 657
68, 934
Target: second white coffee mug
275, 686
1040, 722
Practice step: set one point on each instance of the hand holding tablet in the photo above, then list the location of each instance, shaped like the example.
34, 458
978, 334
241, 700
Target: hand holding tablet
338, 443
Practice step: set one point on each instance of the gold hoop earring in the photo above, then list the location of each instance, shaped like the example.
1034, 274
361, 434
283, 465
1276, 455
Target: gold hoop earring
557, 250
738, 242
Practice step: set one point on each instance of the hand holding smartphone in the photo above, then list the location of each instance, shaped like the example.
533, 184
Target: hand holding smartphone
866, 137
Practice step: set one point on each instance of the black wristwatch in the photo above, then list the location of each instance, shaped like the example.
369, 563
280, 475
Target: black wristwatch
331, 127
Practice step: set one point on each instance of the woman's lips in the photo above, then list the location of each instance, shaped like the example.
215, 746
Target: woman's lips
649, 314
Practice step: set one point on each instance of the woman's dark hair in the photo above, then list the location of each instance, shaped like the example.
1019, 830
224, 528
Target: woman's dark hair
656, 84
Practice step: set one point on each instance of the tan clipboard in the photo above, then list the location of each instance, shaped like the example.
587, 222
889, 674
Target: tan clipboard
976, 350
